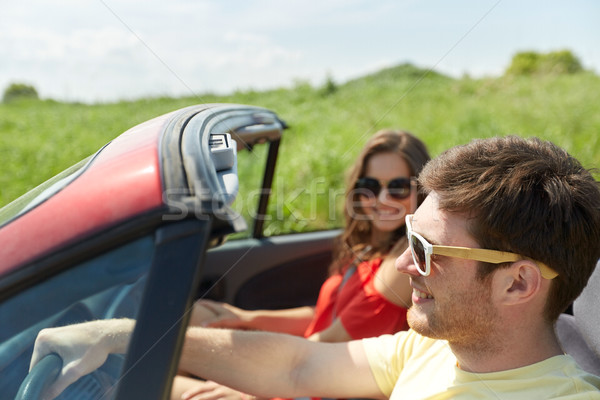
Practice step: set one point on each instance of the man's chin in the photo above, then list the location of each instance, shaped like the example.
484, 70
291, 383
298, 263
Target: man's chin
419, 323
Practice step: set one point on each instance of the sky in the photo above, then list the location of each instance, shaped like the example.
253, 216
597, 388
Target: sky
109, 50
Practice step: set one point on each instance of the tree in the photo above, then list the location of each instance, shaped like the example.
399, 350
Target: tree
553, 63
19, 91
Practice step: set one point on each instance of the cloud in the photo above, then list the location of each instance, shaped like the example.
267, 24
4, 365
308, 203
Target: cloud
247, 51
111, 49
42, 45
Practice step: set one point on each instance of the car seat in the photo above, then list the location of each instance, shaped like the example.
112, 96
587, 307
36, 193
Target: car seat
579, 334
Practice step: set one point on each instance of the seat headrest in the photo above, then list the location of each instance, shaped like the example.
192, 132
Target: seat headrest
586, 311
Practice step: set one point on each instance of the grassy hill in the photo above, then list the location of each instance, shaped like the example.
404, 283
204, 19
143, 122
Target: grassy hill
328, 126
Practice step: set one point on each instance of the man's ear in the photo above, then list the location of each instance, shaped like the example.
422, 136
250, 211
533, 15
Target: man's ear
518, 283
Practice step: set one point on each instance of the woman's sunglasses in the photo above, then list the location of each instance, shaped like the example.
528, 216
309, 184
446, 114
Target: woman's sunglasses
398, 188
422, 250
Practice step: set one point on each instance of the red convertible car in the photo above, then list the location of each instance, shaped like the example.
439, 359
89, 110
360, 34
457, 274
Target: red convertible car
138, 229
133, 231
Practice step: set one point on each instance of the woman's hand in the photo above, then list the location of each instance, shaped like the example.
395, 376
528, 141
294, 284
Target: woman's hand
208, 390
215, 314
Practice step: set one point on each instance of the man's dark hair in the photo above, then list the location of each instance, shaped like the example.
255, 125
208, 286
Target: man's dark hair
525, 196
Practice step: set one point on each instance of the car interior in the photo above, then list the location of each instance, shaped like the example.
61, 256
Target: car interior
579, 332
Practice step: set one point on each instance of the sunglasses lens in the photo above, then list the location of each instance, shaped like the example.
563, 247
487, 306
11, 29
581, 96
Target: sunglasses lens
418, 253
399, 188
365, 186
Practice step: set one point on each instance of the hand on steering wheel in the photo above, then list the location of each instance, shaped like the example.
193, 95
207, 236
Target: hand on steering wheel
83, 348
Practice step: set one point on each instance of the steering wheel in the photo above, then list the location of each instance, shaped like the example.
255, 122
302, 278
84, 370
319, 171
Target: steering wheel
98, 384
40, 377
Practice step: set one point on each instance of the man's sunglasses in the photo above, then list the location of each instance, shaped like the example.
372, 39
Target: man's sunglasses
422, 250
398, 188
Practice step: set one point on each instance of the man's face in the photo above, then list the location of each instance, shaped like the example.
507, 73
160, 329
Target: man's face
450, 303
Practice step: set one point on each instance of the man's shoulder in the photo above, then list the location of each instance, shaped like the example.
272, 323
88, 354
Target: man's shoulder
582, 379
407, 354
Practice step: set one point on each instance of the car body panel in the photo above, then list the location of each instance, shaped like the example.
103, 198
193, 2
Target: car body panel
121, 181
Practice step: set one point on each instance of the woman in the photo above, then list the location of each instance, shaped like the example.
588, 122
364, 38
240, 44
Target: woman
364, 295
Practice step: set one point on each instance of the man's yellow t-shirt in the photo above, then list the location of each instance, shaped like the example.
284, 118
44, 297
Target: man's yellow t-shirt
410, 366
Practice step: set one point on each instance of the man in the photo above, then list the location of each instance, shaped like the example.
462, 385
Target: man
482, 321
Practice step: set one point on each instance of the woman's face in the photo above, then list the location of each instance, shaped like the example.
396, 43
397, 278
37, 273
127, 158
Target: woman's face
385, 212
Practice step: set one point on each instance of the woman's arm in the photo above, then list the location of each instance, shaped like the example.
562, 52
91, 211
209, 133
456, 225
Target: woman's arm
334, 333
293, 321
391, 284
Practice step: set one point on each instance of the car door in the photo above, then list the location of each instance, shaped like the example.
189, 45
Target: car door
261, 270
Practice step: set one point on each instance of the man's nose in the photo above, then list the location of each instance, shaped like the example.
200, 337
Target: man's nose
405, 263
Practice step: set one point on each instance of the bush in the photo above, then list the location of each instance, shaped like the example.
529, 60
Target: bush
525, 63
563, 62
330, 87
19, 91
555, 63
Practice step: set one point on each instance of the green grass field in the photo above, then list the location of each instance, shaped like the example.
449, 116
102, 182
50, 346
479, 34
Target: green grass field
327, 129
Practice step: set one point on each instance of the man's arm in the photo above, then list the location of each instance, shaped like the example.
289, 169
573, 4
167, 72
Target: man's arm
261, 363
275, 365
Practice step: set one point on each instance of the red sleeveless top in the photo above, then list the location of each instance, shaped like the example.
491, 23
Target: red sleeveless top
363, 311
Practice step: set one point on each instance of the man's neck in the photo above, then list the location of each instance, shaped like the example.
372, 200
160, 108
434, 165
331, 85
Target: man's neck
507, 350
